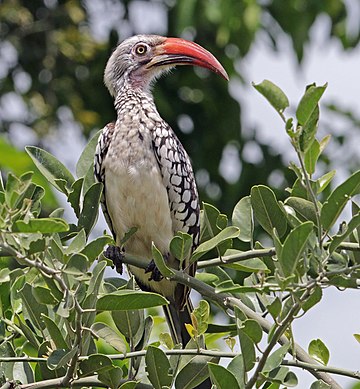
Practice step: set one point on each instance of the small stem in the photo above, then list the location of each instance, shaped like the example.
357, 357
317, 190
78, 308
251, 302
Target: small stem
312, 195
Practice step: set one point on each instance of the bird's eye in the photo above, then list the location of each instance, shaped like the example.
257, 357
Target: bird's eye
140, 49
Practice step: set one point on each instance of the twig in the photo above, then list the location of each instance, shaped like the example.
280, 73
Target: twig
259, 253
326, 369
276, 336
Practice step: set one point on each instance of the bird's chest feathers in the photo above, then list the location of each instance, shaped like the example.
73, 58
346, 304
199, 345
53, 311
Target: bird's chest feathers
135, 193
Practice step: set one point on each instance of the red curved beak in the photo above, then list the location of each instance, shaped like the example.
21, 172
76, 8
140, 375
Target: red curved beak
177, 51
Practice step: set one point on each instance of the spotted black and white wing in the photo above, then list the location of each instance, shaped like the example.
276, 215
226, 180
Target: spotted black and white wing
178, 178
99, 171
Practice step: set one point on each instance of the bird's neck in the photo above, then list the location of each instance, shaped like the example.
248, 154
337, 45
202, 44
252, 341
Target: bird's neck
135, 100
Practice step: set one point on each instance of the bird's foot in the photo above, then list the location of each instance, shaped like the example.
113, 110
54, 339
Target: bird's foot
116, 255
155, 272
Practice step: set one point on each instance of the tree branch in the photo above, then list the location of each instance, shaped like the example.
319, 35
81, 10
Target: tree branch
227, 301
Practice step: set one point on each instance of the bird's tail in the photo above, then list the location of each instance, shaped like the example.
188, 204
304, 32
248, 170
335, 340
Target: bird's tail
176, 320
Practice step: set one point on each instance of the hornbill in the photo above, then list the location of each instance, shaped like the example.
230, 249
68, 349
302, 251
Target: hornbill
147, 175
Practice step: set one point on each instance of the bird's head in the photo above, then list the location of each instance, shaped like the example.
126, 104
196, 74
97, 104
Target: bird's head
138, 60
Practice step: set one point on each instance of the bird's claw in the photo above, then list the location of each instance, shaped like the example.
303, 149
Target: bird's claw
116, 255
155, 272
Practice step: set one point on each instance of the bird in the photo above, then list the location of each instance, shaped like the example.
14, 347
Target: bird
148, 180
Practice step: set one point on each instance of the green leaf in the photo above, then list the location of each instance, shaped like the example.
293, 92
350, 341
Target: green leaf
228, 233
202, 313
357, 337
33, 308
160, 262
236, 367
77, 244
94, 248
242, 217
128, 234
337, 200
55, 333
86, 159
274, 308
252, 329
181, 246
275, 359
315, 297
123, 300
77, 265
273, 94
28, 332
59, 358
111, 377
158, 367
51, 168
320, 385
247, 346
130, 323
349, 228
90, 209
109, 336
208, 220
129, 385
222, 377
319, 351
194, 372
294, 247
311, 157
74, 197
43, 295
324, 181
44, 225
22, 372
98, 363
267, 210
304, 208
309, 103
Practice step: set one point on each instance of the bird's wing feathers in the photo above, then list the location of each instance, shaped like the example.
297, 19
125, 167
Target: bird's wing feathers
178, 178
99, 171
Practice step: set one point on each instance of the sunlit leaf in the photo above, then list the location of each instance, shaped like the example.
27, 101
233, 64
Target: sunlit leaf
338, 198
53, 170
319, 351
273, 94
228, 233
242, 217
44, 225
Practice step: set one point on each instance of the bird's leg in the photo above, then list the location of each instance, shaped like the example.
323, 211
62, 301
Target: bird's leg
115, 254
155, 272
